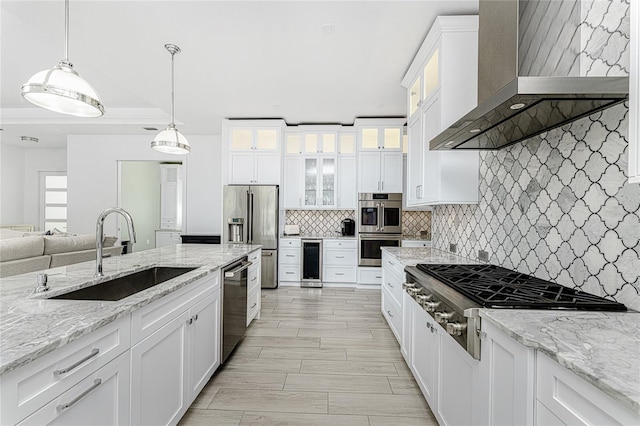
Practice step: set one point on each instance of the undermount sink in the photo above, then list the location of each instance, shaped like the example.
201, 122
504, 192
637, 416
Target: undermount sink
121, 287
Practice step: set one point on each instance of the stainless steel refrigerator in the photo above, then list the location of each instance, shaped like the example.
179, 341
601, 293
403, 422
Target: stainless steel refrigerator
250, 215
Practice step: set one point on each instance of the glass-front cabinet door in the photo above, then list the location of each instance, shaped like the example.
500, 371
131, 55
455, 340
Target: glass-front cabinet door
320, 142
310, 181
328, 179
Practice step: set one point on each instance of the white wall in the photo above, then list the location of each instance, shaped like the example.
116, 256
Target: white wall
35, 161
11, 185
92, 170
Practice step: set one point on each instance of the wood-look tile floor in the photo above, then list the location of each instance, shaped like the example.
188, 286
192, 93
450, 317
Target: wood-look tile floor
316, 357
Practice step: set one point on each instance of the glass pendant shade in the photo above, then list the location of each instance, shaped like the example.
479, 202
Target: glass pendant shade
171, 141
61, 89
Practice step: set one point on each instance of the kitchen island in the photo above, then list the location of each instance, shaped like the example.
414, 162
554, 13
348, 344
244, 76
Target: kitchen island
579, 351
164, 340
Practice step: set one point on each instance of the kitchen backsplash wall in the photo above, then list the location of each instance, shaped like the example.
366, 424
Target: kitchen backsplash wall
318, 222
558, 206
414, 222
323, 222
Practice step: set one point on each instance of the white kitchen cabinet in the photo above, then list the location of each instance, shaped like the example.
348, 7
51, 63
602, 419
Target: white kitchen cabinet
380, 171
347, 191
254, 150
506, 375
369, 275
292, 185
319, 182
376, 134
425, 350
634, 94
563, 397
289, 260
59, 375
175, 351
416, 243
171, 196
347, 142
407, 328
254, 288
339, 260
102, 398
442, 87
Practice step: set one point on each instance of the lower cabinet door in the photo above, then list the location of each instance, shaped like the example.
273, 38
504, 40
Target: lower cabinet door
204, 343
100, 399
425, 342
407, 323
158, 375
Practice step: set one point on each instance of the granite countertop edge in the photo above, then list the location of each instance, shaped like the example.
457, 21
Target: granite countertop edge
39, 334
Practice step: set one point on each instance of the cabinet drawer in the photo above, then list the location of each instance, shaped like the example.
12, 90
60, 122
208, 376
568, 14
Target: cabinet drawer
338, 257
101, 397
390, 262
337, 274
289, 273
340, 244
416, 243
290, 242
290, 256
369, 275
574, 401
254, 256
253, 305
30, 387
149, 319
392, 313
253, 275
392, 282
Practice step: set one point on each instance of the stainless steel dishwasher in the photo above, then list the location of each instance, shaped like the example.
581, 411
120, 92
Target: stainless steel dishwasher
234, 305
311, 263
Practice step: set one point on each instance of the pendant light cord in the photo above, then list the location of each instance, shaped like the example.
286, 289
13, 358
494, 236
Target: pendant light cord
66, 31
173, 53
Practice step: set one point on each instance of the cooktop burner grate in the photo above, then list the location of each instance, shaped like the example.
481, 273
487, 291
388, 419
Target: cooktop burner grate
495, 287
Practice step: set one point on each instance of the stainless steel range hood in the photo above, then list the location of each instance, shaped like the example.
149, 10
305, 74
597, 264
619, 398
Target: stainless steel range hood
529, 75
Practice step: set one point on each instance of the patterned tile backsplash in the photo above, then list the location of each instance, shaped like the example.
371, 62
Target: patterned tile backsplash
322, 222
558, 206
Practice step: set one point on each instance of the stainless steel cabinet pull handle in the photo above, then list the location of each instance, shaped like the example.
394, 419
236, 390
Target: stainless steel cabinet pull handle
229, 274
63, 407
289, 273
291, 255
428, 325
391, 263
379, 276
254, 278
390, 314
339, 273
389, 284
254, 305
190, 321
339, 257
93, 353
195, 318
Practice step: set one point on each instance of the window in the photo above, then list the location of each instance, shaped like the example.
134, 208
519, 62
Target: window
53, 201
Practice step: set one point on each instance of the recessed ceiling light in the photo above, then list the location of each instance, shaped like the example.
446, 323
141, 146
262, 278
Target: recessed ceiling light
474, 131
329, 28
29, 139
150, 128
517, 106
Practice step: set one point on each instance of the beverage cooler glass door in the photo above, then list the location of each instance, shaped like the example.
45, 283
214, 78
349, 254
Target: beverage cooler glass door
369, 253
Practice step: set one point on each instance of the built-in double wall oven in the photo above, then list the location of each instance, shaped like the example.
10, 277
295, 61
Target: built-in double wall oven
379, 225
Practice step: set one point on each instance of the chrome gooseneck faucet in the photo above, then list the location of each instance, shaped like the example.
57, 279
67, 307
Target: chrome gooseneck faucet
100, 233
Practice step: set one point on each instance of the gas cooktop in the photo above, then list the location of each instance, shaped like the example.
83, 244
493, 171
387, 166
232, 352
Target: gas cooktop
491, 286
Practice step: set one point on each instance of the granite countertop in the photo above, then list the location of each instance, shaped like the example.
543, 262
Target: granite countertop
32, 326
599, 347
326, 236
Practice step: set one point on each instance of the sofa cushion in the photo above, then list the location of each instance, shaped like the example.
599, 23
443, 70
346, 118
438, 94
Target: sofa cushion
23, 266
63, 244
64, 259
10, 233
21, 248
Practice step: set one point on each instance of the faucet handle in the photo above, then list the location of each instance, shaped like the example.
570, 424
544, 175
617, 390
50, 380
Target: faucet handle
41, 280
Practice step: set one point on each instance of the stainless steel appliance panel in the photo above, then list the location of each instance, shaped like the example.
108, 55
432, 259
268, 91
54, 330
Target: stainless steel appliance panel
235, 204
269, 269
369, 253
234, 306
380, 213
263, 204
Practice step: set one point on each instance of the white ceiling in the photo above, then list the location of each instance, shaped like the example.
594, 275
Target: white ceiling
239, 59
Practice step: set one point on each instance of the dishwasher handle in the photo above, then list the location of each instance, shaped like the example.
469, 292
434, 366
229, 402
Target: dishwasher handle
233, 272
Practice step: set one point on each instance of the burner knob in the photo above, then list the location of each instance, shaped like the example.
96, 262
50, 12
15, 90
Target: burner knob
421, 298
414, 291
406, 286
456, 329
443, 317
430, 306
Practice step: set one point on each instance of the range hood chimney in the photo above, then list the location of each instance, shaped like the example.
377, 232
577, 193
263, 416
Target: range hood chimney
529, 75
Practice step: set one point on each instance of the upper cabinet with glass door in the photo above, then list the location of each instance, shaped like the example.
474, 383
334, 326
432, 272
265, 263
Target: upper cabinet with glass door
378, 134
265, 139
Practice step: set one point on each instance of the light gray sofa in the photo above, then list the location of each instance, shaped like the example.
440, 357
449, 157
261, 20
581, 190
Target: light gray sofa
22, 252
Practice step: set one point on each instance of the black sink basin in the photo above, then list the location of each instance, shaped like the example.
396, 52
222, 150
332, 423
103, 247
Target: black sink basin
121, 287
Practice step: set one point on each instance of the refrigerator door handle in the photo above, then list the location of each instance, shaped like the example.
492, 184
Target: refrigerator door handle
249, 217
251, 220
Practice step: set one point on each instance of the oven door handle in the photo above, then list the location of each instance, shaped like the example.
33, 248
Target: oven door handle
229, 274
382, 217
379, 227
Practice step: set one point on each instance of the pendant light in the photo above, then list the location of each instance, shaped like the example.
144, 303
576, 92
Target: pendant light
61, 89
170, 140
